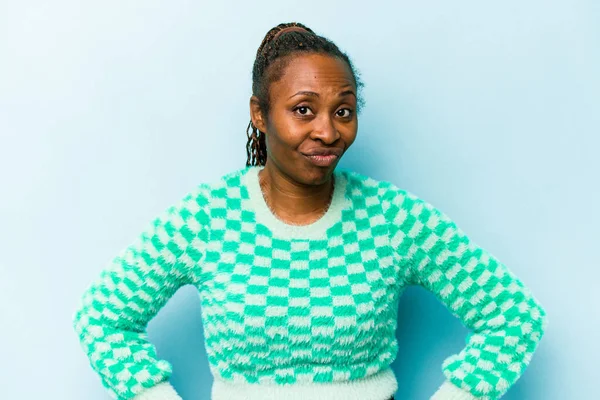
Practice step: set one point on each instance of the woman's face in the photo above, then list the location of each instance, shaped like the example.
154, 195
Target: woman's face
312, 110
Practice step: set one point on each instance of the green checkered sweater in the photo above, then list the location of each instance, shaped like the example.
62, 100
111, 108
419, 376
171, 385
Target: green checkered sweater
306, 311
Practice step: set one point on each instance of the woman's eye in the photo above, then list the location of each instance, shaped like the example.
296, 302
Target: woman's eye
303, 110
344, 112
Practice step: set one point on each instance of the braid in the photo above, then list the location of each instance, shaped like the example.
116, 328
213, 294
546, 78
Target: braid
255, 147
269, 65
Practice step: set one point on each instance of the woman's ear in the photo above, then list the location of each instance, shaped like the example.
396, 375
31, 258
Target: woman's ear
256, 115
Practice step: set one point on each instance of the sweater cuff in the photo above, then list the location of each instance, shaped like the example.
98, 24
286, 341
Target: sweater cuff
448, 391
161, 391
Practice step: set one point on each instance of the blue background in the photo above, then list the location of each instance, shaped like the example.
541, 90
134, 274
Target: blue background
111, 111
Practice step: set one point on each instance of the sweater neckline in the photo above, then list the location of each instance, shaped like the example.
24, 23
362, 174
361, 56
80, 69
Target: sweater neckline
313, 230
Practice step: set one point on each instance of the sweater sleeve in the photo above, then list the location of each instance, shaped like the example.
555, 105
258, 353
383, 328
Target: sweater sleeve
115, 309
506, 320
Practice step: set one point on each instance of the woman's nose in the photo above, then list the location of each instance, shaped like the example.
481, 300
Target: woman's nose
325, 130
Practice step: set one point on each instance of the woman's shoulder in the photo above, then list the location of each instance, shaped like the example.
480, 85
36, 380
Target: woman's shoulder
391, 197
223, 184
365, 185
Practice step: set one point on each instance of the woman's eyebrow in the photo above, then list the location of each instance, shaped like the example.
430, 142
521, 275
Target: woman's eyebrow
314, 94
347, 92
306, 93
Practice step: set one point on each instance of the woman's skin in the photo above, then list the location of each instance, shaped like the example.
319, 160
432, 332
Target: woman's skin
297, 190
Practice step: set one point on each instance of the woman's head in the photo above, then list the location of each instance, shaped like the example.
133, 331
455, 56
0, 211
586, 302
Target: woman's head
305, 99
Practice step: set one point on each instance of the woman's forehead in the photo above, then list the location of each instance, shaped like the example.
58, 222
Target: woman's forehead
315, 72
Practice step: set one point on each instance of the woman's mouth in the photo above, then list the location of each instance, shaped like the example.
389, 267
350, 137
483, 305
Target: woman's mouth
322, 160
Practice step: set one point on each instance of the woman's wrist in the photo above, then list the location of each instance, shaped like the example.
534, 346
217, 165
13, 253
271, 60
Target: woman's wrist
449, 391
161, 391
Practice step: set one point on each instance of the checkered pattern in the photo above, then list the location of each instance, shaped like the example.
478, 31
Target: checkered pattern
300, 310
507, 321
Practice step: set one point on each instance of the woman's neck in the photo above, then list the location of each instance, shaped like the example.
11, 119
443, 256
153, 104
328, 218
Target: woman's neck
291, 201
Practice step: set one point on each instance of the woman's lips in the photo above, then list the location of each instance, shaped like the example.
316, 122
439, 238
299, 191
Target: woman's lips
322, 161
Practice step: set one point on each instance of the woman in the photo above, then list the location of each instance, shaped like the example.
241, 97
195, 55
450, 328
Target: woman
300, 266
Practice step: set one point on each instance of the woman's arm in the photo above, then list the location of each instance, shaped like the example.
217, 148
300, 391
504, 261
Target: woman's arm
116, 308
507, 321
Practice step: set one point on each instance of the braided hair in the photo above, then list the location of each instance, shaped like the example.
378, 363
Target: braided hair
269, 65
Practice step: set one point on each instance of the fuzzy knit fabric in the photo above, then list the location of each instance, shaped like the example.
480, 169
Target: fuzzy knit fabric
302, 312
